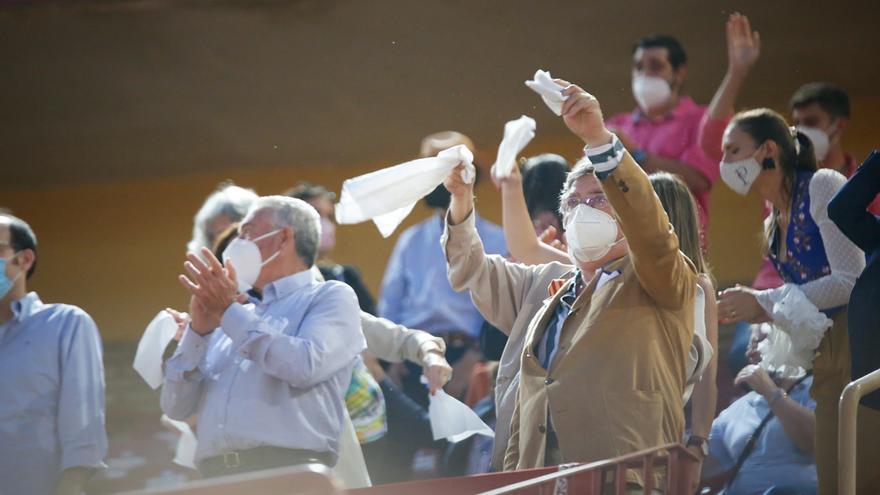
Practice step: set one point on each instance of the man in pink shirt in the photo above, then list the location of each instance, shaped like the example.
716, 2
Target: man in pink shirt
662, 133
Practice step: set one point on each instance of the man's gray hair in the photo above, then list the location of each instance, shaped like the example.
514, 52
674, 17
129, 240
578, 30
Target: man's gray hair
581, 169
228, 200
299, 216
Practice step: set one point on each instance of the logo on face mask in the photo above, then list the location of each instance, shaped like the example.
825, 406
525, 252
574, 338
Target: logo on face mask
590, 234
650, 91
247, 260
741, 174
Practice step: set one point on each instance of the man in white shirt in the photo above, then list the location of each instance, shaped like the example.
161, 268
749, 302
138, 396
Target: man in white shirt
267, 377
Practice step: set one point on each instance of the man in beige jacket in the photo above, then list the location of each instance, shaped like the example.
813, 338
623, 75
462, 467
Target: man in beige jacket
603, 363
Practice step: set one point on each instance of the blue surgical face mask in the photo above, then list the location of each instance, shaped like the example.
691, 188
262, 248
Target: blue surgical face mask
5, 282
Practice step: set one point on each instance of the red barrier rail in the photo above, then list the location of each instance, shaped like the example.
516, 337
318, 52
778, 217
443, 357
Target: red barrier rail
582, 479
312, 479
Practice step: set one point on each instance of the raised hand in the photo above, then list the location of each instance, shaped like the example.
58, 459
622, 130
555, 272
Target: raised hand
213, 288
743, 44
583, 116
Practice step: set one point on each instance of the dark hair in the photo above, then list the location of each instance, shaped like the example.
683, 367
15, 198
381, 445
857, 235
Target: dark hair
307, 191
438, 198
543, 178
22, 237
831, 98
677, 56
224, 239
763, 125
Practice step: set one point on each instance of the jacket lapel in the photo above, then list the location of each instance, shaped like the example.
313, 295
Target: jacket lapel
538, 325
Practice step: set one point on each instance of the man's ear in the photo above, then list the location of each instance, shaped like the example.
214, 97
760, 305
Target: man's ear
26, 259
679, 74
842, 125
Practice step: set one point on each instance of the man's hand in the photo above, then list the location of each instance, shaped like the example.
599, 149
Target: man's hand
214, 290
758, 379
583, 116
436, 370
514, 180
740, 304
743, 45
462, 196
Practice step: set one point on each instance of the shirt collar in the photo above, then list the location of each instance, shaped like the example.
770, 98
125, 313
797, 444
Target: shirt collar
26, 306
287, 285
685, 105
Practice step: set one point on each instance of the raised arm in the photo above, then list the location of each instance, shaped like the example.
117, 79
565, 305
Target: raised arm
743, 50
524, 245
849, 208
498, 287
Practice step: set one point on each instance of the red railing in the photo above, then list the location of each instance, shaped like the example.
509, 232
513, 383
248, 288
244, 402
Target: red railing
312, 479
666, 464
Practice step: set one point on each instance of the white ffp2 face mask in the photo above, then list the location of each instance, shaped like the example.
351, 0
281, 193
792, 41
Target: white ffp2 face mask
651, 91
590, 234
820, 138
247, 260
741, 174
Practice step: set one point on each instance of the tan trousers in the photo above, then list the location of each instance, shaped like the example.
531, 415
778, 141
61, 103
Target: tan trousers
831, 373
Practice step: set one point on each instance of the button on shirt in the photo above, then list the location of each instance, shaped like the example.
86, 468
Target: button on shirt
51, 395
415, 290
275, 372
674, 136
775, 459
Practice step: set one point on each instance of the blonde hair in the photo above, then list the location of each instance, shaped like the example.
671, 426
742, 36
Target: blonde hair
681, 208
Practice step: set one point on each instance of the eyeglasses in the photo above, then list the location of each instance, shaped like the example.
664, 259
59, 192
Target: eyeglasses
594, 201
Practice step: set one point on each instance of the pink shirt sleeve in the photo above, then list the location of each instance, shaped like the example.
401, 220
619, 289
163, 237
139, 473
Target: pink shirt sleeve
710, 135
696, 158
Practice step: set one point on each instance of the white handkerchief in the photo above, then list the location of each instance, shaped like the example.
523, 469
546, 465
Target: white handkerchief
517, 134
453, 420
148, 358
606, 277
387, 196
550, 92
185, 454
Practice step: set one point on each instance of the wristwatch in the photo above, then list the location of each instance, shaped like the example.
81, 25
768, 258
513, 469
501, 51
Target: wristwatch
697, 441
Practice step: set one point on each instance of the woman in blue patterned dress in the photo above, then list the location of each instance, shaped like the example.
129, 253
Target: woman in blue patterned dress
818, 264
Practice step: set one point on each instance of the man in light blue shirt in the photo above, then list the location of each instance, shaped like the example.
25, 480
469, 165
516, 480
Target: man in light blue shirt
52, 436
266, 376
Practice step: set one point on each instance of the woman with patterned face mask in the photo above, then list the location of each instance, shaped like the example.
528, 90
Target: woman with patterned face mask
817, 262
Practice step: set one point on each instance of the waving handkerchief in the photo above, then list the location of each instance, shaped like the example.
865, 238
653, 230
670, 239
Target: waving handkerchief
517, 134
148, 358
550, 92
453, 420
185, 453
387, 196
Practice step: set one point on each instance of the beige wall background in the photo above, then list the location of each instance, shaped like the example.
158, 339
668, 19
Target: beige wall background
120, 117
